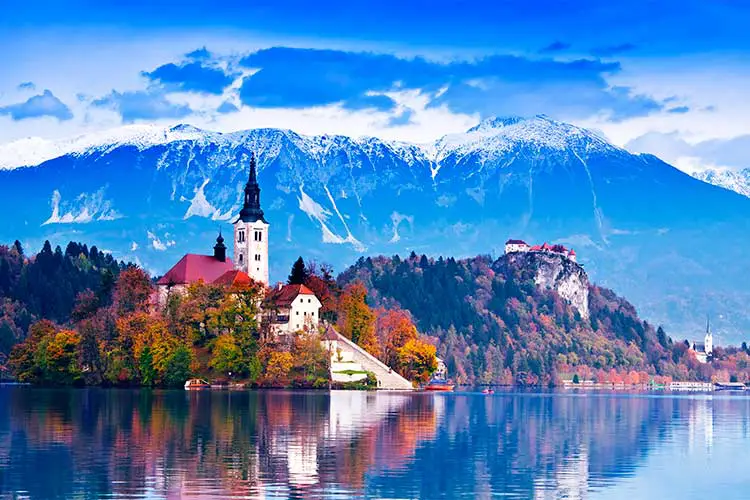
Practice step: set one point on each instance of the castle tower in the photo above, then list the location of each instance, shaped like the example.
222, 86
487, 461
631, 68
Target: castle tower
251, 232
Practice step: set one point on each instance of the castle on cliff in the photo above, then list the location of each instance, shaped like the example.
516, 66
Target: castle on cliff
513, 246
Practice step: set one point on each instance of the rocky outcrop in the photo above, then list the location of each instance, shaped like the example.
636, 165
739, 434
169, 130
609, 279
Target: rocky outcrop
551, 271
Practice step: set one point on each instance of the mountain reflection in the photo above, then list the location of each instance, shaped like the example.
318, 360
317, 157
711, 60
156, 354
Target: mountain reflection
172, 444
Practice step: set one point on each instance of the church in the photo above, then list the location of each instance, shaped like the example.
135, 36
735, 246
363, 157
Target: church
299, 307
703, 350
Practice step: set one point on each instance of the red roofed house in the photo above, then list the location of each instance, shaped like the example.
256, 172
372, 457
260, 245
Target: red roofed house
295, 308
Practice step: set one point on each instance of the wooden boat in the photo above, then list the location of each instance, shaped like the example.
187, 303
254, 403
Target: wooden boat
488, 391
439, 386
195, 384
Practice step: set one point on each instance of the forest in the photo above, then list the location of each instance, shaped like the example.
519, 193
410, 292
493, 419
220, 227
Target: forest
492, 325
79, 317
107, 328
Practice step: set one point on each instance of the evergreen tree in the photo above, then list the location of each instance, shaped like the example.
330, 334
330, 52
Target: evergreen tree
299, 274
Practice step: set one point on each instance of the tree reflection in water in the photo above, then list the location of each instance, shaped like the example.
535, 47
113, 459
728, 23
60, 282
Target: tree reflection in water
96, 442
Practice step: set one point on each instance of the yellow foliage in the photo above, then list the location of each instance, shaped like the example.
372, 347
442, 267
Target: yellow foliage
417, 360
278, 367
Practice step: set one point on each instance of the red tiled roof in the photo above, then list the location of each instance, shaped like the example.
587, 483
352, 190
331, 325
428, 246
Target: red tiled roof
572, 252
192, 268
536, 247
515, 242
285, 296
233, 279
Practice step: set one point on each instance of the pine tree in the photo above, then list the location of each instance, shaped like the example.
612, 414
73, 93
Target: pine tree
299, 274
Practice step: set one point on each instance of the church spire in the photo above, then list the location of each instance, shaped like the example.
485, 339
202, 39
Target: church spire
251, 210
220, 249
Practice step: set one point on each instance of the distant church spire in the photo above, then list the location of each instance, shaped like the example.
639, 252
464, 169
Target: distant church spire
251, 210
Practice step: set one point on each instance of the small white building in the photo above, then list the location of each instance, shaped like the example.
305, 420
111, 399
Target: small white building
703, 350
512, 246
294, 308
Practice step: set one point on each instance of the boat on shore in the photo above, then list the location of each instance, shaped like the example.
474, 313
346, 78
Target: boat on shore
439, 386
195, 384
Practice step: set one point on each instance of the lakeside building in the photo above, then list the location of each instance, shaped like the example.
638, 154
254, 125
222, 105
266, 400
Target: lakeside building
286, 309
703, 349
289, 308
520, 246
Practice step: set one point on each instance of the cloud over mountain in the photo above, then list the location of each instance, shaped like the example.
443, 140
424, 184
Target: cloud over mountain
142, 105
497, 84
44, 104
192, 77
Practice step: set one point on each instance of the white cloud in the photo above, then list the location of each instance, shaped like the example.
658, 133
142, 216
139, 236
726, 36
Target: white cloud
158, 244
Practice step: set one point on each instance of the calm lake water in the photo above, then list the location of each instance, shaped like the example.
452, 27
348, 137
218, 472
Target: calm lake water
94, 443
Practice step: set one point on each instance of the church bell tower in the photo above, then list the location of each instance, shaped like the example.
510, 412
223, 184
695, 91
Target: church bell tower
251, 232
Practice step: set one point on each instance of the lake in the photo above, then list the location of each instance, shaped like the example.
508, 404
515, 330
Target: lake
109, 443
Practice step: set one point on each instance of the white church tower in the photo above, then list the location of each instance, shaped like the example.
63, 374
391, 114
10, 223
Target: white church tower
708, 340
251, 232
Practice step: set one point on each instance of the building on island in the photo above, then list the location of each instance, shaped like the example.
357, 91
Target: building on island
703, 349
285, 309
250, 250
516, 246
294, 308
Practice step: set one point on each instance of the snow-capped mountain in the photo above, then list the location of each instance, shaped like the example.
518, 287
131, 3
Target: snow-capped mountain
734, 180
639, 225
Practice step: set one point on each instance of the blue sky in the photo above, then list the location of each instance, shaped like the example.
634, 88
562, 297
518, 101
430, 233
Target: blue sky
667, 77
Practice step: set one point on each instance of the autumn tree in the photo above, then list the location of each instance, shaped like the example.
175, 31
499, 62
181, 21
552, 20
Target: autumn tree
395, 329
278, 367
61, 358
132, 291
356, 320
417, 360
27, 361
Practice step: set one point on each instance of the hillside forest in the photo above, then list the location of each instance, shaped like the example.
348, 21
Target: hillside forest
78, 317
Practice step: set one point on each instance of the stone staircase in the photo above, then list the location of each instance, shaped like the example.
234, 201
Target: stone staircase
353, 355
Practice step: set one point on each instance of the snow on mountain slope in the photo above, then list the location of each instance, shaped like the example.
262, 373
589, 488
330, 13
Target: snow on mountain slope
734, 180
33, 151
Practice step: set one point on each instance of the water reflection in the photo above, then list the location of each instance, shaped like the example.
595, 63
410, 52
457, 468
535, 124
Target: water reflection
172, 444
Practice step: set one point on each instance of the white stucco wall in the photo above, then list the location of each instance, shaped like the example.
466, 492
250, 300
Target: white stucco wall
304, 314
245, 252
516, 247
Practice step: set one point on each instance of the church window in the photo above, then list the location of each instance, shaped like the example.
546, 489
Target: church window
258, 236
257, 257
240, 258
241, 236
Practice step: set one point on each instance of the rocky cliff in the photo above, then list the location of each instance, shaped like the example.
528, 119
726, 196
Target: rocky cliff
551, 271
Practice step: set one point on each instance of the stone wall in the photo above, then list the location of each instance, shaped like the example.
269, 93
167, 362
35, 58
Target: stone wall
354, 354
